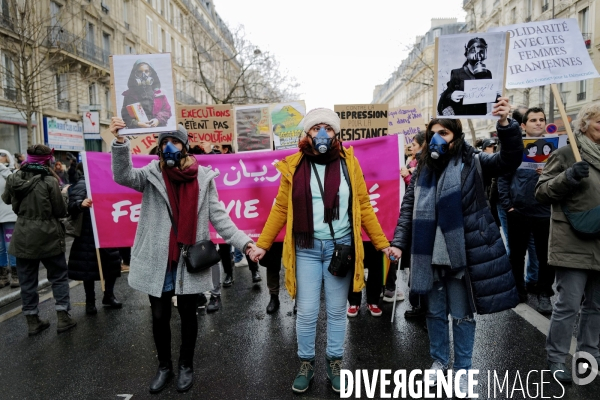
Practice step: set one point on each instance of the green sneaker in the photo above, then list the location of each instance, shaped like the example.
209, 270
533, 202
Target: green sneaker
334, 365
302, 381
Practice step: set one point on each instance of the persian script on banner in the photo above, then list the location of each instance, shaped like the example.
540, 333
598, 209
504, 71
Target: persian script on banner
247, 186
545, 52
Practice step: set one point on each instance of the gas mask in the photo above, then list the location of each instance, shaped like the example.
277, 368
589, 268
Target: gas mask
143, 78
322, 142
476, 54
438, 146
172, 155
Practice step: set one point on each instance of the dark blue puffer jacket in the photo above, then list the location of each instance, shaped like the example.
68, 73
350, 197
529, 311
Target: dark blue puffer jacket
489, 274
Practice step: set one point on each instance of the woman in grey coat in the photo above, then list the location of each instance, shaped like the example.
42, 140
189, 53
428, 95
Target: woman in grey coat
175, 184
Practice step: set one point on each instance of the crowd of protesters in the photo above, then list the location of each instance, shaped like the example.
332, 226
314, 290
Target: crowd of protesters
470, 217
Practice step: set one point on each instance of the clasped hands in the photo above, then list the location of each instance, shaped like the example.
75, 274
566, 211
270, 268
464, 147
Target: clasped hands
256, 253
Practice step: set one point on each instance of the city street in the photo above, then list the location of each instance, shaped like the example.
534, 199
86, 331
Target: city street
243, 353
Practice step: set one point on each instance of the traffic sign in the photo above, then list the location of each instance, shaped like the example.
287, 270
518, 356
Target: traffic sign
551, 128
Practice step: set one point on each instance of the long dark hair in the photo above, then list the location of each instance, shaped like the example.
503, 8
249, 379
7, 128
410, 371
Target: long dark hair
454, 126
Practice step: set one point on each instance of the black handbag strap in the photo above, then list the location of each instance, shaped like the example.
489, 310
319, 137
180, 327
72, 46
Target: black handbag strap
181, 246
323, 197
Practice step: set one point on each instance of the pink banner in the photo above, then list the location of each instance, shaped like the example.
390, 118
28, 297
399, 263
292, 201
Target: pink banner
247, 187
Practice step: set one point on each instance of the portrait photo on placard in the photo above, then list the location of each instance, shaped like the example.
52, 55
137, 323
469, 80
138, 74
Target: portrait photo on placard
470, 74
144, 93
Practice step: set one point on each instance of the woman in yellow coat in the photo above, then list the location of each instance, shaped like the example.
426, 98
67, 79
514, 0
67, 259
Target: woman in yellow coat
322, 191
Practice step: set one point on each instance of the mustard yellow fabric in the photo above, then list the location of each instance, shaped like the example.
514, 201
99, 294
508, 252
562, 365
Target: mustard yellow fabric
282, 214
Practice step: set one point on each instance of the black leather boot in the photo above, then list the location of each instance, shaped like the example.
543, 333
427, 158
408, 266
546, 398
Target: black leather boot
185, 379
273, 304
90, 306
228, 280
163, 376
111, 301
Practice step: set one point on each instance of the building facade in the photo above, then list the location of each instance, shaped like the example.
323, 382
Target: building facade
62, 75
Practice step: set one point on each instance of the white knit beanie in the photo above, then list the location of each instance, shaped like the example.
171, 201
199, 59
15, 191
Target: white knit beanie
321, 116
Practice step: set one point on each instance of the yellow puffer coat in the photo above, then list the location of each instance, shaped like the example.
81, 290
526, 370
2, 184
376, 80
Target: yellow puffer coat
282, 214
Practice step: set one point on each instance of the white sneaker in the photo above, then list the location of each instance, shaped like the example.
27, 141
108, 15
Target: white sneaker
463, 386
366, 274
436, 366
388, 296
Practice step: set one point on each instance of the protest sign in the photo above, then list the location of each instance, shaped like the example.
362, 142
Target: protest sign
362, 121
253, 128
481, 91
211, 124
135, 78
406, 121
545, 52
140, 144
461, 59
285, 120
247, 186
536, 151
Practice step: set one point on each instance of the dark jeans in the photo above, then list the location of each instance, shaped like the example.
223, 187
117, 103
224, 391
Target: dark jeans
225, 253
28, 270
272, 261
125, 253
374, 262
109, 286
161, 328
520, 227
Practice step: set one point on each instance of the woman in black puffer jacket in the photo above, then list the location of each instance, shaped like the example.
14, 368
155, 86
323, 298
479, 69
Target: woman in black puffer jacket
83, 263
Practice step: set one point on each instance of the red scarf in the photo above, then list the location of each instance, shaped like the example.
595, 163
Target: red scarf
303, 228
182, 190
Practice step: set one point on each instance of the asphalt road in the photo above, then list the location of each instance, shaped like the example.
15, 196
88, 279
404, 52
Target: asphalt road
243, 353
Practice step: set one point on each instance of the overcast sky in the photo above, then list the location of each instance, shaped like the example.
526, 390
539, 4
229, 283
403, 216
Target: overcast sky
338, 50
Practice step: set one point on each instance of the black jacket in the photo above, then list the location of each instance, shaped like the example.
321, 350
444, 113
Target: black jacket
517, 190
83, 264
489, 273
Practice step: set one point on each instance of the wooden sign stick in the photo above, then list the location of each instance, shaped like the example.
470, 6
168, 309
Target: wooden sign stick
563, 114
100, 269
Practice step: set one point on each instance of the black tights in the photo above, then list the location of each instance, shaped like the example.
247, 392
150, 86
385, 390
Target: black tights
161, 328
109, 287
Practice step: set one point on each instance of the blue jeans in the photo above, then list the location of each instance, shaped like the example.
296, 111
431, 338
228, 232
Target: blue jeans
6, 230
449, 296
533, 264
237, 255
311, 271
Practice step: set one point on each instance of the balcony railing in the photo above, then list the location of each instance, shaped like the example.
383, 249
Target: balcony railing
62, 39
581, 96
63, 105
587, 38
185, 98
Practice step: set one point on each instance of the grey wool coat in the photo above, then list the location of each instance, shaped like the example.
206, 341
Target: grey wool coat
151, 247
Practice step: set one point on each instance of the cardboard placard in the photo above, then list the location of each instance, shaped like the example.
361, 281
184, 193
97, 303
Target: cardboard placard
545, 52
362, 121
285, 120
207, 124
407, 121
253, 128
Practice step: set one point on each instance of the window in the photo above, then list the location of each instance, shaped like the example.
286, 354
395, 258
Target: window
106, 42
584, 20
149, 30
168, 42
171, 13
160, 39
581, 93
10, 89
529, 10
163, 40
62, 92
108, 103
90, 33
437, 32
126, 11
182, 56
54, 11
513, 15
178, 53
93, 94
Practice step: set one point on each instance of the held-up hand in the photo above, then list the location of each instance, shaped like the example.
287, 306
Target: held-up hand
502, 109
457, 95
579, 170
87, 203
117, 123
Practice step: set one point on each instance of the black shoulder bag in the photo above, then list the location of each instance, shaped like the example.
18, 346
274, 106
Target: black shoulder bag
199, 256
343, 257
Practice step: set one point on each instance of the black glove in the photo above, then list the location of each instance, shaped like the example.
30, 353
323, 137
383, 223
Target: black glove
579, 170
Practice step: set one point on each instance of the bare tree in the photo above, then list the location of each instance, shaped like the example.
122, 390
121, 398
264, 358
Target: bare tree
29, 51
232, 70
